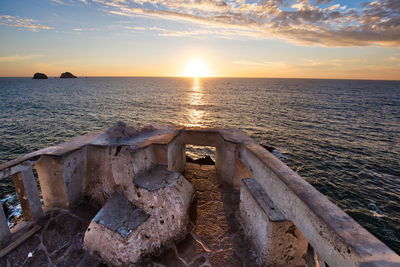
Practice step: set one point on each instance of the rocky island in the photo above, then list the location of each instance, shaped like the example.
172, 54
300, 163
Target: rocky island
38, 76
66, 75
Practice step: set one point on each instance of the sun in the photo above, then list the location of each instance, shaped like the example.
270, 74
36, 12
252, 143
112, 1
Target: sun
196, 68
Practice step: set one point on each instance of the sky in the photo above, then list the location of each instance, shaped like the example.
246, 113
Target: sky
356, 39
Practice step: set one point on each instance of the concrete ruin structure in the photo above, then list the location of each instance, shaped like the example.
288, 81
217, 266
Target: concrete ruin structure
139, 182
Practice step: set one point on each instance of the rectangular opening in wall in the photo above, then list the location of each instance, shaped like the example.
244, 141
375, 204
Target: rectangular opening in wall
203, 155
35, 174
10, 202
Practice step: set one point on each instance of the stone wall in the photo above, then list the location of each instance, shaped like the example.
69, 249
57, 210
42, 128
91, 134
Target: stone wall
96, 165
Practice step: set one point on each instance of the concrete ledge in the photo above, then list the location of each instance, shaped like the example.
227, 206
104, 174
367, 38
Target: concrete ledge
156, 135
277, 241
339, 239
58, 150
200, 136
151, 134
262, 200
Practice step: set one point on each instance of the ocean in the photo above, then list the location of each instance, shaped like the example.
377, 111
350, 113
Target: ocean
342, 136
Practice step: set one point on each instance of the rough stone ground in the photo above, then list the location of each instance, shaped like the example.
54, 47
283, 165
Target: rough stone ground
58, 243
215, 238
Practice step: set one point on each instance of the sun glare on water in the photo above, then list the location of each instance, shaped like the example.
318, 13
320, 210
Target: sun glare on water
196, 68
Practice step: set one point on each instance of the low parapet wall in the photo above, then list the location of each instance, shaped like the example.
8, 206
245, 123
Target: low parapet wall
94, 165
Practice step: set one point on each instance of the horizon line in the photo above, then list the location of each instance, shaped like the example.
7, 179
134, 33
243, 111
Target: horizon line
211, 77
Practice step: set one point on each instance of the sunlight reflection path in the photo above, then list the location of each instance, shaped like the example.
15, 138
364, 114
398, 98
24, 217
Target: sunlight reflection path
196, 100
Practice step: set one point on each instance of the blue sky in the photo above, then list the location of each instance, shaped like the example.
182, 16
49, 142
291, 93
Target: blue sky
276, 38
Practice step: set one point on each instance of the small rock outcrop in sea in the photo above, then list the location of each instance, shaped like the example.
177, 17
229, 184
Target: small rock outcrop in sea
40, 76
269, 148
207, 160
67, 75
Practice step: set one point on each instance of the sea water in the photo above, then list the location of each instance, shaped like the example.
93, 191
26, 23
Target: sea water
342, 136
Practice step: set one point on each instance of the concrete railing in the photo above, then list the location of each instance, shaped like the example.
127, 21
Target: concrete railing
27, 192
94, 165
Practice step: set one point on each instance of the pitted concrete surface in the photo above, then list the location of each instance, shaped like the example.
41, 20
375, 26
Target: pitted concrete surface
155, 178
120, 216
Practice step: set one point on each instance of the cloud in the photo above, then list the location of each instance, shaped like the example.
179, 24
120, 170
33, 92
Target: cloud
306, 64
253, 63
199, 33
84, 29
16, 21
18, 58
60, 2
394, 59
303, 21
69, 2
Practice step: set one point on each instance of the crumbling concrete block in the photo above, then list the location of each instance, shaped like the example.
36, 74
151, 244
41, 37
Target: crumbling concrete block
118, 233
165, 195
146, 217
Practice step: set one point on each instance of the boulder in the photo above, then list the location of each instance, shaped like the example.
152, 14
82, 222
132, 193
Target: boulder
40, 76
67, 75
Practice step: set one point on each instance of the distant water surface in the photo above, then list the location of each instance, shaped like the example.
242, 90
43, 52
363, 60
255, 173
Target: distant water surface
342, 136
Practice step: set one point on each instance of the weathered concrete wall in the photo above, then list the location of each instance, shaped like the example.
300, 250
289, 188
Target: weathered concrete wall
225, 161
130, 161
338, 239
241, 170
74, 173
62, 178
99, 182
112, 168
54, 191
230, 168
176, 154
111, 162
161, 154
277, 241
200, 137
